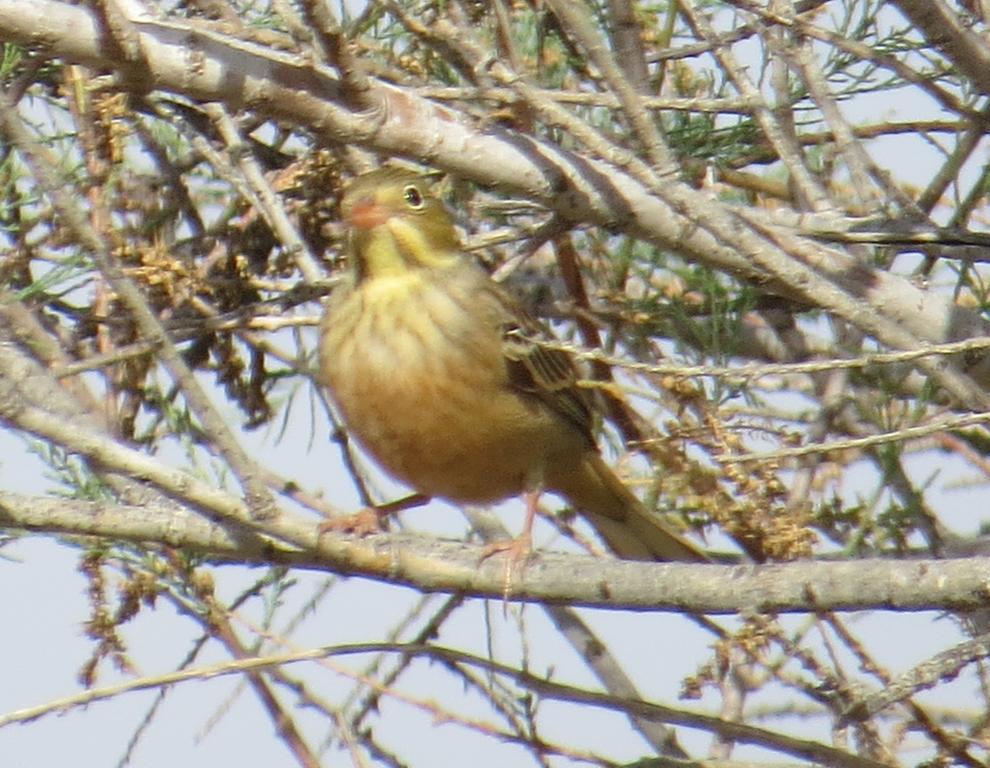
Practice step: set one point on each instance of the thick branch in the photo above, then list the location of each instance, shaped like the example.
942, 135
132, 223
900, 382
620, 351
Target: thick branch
449, 566
212, 67
943, 27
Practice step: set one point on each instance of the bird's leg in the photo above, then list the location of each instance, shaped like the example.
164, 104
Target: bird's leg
517, 549
371, 519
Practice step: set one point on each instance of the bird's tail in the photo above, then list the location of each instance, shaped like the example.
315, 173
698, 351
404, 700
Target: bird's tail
631, 531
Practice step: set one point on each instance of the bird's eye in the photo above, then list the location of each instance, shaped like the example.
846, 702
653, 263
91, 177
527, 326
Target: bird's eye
413, 196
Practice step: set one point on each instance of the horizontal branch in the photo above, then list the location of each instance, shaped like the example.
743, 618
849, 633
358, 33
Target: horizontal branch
438, 565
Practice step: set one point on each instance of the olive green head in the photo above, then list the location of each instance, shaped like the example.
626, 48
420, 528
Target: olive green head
396, 224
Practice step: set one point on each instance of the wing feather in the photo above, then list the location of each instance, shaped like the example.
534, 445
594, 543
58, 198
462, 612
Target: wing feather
542, 372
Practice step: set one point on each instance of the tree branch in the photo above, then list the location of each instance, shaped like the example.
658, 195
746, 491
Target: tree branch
449, 566
963, 47
672, 215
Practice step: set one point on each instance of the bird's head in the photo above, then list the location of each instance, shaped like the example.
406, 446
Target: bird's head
397, 225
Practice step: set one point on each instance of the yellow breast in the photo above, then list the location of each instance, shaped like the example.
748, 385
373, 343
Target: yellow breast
418, 375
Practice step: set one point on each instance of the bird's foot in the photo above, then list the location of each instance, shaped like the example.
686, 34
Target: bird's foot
370, 519
364, 523
516, 550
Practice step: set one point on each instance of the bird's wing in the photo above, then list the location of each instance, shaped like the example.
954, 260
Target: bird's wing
545, 373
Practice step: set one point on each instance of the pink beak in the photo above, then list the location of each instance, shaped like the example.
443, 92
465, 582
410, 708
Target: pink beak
367, 214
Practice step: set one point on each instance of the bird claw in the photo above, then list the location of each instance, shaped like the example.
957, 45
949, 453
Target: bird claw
516, 550
371, 519
364, 523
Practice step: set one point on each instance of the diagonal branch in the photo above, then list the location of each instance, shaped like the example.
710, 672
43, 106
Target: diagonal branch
964, 48
676, 217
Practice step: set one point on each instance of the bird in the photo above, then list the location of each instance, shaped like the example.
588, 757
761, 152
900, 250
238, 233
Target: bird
439, 375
